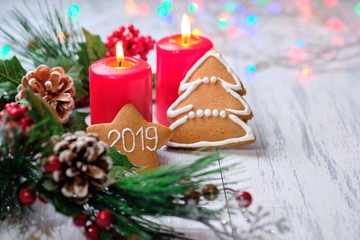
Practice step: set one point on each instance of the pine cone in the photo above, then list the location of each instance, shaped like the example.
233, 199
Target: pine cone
54, 86
84, 164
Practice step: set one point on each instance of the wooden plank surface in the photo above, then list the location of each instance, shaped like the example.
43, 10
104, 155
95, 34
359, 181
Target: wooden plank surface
305, 163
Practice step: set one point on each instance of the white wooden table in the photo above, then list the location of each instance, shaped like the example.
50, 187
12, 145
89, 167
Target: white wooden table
305, 163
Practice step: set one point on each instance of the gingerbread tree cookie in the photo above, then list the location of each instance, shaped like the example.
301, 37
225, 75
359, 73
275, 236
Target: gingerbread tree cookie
210, 111
133, 136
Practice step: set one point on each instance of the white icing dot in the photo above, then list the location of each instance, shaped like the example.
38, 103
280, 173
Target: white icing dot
207, 112
200, 113
223, 114
191, 114
206, 80
215, 112
213, 79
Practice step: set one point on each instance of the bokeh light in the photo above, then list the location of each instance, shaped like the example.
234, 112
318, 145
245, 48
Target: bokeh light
358, 8
162, 11
5, 51
73, 11
193, 7
230, 7
167, 4
130, 6
306, 10
299, 43
238, 8
330, 3
196, 32
222, 23
297, 54
251, 19
250, 68
338, 40
143, 9
233, 32
306, 74
335, 24
263, 2
274, 8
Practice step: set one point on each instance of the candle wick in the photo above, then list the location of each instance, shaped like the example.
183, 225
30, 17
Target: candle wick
120, 63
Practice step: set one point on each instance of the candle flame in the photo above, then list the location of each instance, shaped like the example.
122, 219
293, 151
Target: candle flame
185, 29
119, 53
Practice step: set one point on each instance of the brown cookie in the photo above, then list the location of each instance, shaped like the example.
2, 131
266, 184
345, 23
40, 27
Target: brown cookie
210, 111
133, 136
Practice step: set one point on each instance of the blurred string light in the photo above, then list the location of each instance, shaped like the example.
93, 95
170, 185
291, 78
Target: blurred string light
306, 74
251, 19
238, 8
130, 6
233, 32
297, 54
200, 4
250, 68
274, 8
168, 19
196, 32
250, 71
162, 12
5, 51
143, 9
330, 3
193, 7
306, 10
263, 2
167, 4
230, 7
358, 8
338, 40
335, 24
223, 18
305, 7
299, 43
73, 11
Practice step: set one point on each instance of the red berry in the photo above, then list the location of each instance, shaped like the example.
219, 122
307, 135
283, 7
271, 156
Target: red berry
53, 164
24, 108
92, 232
244, 199
27, 196
191, 194
80, 219
104, 218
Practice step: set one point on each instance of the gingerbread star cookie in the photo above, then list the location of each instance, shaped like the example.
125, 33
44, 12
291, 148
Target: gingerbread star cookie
133, 136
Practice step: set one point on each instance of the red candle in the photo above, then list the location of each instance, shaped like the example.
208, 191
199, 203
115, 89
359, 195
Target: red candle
175, 55
111, 87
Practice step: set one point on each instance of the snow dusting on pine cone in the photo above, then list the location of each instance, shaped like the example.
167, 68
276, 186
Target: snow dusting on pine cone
84, 166
54, 86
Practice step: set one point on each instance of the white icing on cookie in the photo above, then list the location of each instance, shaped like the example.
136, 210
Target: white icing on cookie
189, 87
175, 113
179, 122
215, 112
191, 114
223, 114
207, 113
249, 136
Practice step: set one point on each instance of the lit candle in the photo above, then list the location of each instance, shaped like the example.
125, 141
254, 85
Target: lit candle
117, 81
175, 55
